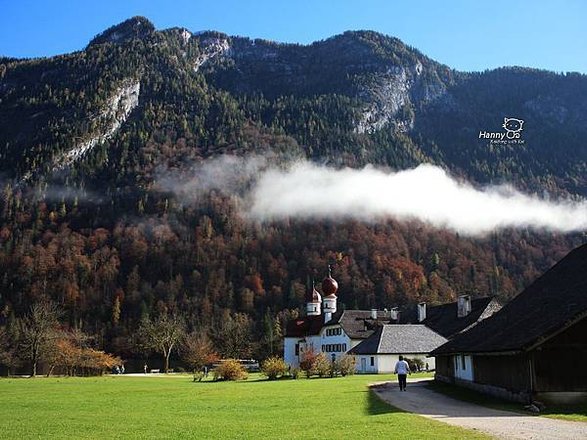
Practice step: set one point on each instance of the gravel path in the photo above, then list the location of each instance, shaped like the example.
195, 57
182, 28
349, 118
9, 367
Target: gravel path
421, 400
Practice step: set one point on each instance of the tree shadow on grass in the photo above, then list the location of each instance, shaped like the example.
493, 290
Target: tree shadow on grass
376, 406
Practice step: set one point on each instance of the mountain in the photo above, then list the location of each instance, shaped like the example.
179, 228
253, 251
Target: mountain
86, 136
360, 97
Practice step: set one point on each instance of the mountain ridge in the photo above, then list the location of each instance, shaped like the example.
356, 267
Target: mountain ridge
87, 137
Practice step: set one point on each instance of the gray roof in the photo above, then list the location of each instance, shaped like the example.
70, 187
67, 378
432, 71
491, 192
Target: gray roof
444, 319
358, 324
400, 338
551, 304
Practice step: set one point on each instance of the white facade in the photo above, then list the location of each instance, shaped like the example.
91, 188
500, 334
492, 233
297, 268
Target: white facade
385, 363
334, 341
291, 351
463, 366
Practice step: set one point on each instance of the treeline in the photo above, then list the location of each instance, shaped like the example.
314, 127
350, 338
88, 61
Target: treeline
239, 282
112, 251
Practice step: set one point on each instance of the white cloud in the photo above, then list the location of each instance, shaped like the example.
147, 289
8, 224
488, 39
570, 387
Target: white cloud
426, 193
305, 190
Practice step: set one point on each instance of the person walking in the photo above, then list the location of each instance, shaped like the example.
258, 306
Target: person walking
402, 369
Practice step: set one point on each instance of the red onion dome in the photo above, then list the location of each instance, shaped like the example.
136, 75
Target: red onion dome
329, 284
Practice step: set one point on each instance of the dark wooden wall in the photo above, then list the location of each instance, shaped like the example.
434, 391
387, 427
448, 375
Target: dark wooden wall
509, 372
561, 362
444, 366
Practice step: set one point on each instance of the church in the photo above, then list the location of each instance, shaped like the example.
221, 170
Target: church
376, 337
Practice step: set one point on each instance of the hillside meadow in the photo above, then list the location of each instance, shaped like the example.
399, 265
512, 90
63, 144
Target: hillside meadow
175, 407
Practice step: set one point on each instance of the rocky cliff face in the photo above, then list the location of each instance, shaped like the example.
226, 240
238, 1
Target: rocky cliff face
356, 98
387, 77
108, 121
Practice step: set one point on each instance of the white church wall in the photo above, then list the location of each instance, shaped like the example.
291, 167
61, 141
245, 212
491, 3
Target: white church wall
333, 340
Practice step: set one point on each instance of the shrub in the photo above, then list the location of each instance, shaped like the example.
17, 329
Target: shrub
230, 369
322, 366
294, 373
274, 367
346, 365
308, 362
415, 364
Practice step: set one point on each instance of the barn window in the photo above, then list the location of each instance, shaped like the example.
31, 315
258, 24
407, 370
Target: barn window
372, 361
463, 365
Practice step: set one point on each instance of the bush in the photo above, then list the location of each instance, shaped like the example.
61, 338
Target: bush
346, 365
415, 364
308, 362
274, 367
322, 366
294, 372
230, 369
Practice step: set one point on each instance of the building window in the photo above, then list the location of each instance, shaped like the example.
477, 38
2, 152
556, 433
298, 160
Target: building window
297, 349
463, 365
344, 347
323, 347
372, 361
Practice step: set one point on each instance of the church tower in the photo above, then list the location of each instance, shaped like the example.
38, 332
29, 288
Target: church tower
329, 289
313, 302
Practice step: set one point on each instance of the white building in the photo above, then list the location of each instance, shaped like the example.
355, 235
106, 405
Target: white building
375, 337
326, 329
380, 352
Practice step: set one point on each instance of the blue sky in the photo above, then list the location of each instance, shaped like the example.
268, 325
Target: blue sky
467, 35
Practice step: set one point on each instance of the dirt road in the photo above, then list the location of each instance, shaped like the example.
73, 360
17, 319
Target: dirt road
421, 400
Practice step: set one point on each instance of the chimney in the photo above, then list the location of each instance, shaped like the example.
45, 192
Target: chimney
374, 314
463, 305
421, 312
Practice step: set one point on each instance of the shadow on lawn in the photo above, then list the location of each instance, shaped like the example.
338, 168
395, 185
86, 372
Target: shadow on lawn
376, 406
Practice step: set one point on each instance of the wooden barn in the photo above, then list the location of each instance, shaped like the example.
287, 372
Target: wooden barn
534, 348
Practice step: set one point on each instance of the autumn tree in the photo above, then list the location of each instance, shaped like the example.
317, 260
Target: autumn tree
162, 335
37, 331
197, 351
9, 354
272, 340
233, 336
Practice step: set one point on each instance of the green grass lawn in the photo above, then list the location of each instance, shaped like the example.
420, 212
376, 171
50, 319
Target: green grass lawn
576, 413
175, 407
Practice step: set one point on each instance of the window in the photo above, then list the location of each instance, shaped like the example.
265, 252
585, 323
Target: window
463, 365
343, 347
297, 349
323, 347
372, 361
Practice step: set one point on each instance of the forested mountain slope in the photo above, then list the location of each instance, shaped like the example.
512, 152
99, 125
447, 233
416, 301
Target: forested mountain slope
86, 139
